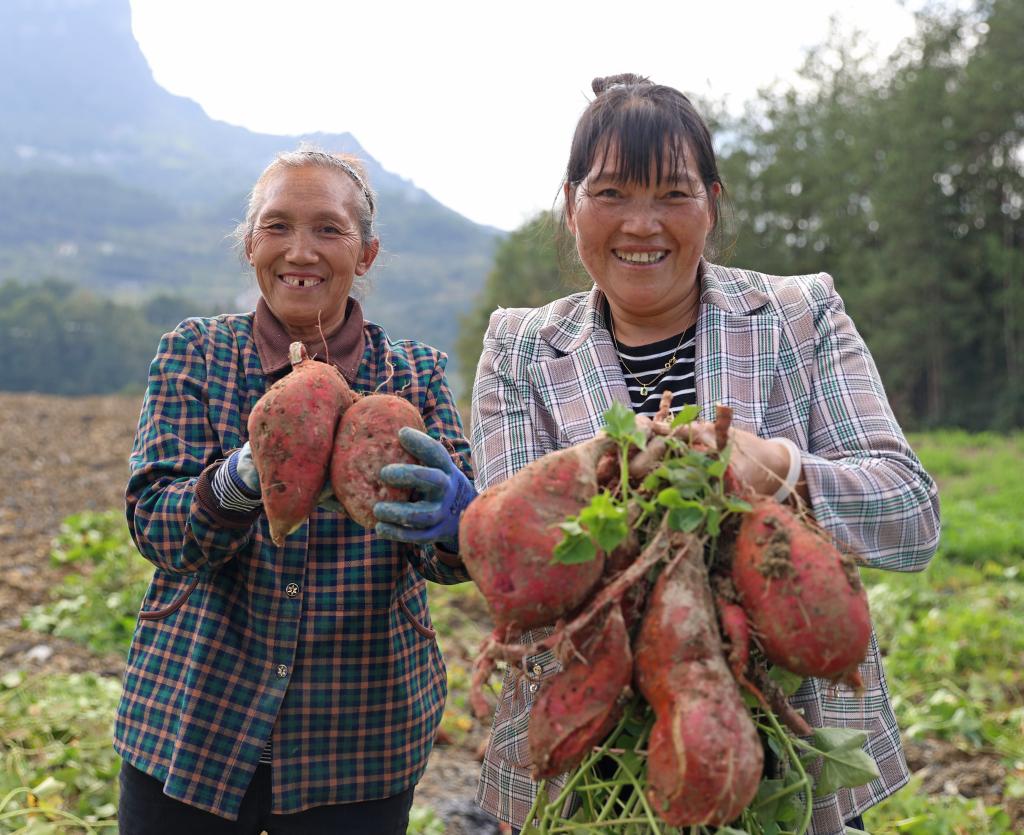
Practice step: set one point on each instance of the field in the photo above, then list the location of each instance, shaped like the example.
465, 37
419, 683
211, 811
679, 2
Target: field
70, 584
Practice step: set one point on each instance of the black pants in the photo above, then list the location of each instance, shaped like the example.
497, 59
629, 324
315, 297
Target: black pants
144, 809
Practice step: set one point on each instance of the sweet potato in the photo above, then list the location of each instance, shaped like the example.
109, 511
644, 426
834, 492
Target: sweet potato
291, 432
804, 598
704, 756
578, 707
366, 440
509, 533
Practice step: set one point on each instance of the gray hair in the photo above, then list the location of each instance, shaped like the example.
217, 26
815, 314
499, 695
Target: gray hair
307, 154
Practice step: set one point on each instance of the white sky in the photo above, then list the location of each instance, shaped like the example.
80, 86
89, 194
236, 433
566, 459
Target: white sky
476, 101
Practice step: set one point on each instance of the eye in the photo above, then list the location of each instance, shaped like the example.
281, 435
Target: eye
330, 229
676, 194
609, 193
274, 226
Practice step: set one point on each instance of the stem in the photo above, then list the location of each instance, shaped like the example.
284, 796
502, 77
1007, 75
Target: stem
805, 783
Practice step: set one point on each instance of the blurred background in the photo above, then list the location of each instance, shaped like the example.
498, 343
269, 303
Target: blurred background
899, 170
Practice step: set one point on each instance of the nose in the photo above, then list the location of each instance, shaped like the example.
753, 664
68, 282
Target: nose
641, 218
302, 247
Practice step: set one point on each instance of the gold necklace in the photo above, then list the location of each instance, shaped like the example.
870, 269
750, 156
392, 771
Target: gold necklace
645, 387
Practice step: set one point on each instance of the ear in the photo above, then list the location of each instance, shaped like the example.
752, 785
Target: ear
716, 190
367, 256
570, 208
248, 249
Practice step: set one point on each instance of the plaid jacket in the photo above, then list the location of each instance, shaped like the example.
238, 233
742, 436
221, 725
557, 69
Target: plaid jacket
323, 645
785, 356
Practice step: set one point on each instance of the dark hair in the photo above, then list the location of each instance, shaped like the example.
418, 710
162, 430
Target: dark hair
650, 127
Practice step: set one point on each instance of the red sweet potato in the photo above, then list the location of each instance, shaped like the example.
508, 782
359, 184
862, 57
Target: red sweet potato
580, 705
804, 598
366, 440
509, 533
291, 431
704, 756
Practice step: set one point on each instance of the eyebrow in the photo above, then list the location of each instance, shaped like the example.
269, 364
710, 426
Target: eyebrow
615, 177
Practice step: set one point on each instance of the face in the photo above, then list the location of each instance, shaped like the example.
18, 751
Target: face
641, 244
306, 248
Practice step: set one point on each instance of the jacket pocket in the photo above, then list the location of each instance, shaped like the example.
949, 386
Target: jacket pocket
170, 608
403, 607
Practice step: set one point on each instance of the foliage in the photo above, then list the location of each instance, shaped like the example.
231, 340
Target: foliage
56, 760
97, 604
57, 339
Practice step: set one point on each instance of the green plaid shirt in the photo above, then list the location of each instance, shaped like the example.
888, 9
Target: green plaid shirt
323, 646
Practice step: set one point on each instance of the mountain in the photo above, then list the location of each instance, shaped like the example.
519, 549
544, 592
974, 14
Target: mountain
111, 182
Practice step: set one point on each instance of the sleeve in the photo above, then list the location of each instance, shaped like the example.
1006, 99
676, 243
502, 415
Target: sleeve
444, 424
504, 439
867, 486
173, 516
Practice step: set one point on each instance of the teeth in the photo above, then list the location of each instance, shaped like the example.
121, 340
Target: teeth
292, 281
641, 257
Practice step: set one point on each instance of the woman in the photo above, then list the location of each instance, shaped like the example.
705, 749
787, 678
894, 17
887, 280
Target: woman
294, 689
642, 195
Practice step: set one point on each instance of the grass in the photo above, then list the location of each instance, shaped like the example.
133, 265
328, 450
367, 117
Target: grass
952, 638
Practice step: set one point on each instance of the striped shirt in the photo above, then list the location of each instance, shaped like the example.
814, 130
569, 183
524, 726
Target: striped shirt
323, 646
666, 365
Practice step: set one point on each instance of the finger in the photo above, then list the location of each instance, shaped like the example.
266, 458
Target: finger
420, 445
400, 534
428, 480
409, 514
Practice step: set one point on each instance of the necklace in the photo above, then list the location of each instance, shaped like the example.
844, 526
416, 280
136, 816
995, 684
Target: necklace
646, 387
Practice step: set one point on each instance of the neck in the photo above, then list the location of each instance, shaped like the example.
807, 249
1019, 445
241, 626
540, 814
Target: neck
637, 328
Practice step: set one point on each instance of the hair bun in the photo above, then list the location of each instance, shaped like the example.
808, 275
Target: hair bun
626, 79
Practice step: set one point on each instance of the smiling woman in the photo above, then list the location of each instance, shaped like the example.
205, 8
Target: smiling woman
239, 639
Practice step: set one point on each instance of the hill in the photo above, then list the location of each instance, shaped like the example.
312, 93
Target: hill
109, 181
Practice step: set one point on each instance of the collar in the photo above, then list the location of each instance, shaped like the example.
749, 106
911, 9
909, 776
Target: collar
344, 346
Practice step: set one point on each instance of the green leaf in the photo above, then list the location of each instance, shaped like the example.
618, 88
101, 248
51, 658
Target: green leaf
734, 505
685, 518
714, 521
789, 682
620, 424
684, 416
716, 469
575, 548
846, 763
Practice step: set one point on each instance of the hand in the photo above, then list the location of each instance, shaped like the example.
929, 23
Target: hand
242, 467
445, 492
760, 463
236, 484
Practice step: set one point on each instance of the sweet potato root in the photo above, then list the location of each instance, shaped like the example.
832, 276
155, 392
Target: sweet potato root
509, 533
582, 703
291, 432
366, 440
805, 599
704, 756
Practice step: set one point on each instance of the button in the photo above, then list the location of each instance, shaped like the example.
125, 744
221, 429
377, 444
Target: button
282, 671
292, 589
534, 687
537, 669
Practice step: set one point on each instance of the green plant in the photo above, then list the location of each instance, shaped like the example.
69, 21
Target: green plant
97, 604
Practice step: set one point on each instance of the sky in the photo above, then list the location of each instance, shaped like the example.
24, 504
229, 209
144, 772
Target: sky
476, 102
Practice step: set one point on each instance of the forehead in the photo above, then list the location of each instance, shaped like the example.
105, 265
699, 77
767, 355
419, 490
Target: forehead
309, 187
665, 160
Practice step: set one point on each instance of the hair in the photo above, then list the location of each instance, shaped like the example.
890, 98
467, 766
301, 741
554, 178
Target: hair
650, 126
307, 154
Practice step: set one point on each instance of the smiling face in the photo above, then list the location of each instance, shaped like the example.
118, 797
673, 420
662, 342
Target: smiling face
642, 243
306, 247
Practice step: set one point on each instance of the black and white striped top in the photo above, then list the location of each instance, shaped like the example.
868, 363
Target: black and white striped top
642, 366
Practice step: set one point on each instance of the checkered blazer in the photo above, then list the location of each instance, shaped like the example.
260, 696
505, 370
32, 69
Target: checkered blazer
323, 645
780, 351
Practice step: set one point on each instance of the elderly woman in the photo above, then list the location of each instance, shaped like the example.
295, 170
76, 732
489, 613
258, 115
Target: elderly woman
293, 689
642, 194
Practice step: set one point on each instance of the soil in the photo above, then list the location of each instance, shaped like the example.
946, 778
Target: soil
65, 455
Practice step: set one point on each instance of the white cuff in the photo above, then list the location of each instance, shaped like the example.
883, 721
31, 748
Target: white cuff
788, 485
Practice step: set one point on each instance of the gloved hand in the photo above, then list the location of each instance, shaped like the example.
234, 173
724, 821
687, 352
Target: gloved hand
236, 484
445, 493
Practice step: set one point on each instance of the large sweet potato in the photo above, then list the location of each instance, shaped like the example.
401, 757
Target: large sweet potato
578, 707
367, 439
291, 432
804, 598
509, 533
704, 757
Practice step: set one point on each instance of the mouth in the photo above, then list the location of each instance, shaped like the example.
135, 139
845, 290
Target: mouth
300, 280
641, 258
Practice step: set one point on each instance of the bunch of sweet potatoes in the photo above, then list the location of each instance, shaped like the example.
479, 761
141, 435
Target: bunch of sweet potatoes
310, 427
773, 590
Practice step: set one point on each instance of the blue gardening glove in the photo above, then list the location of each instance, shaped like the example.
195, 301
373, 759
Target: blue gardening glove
445, 493
236, 484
